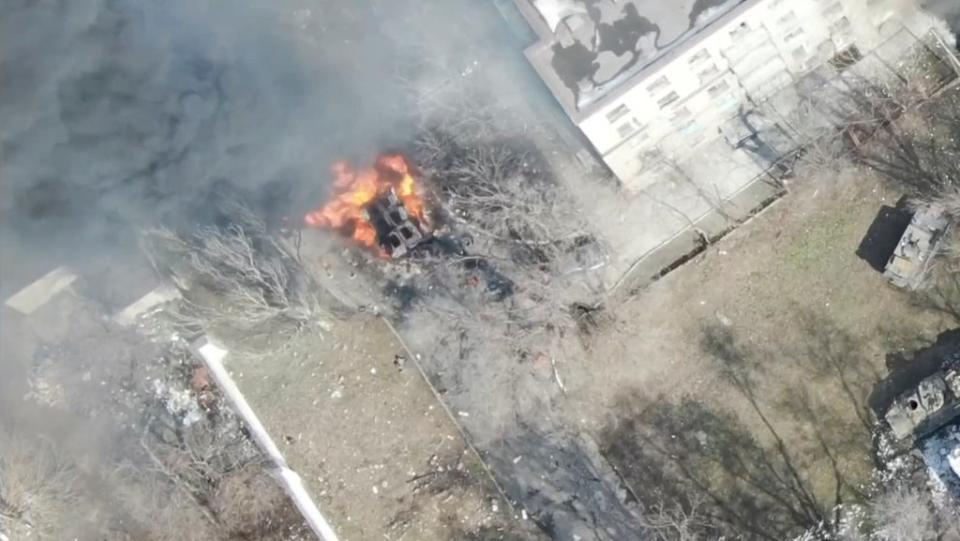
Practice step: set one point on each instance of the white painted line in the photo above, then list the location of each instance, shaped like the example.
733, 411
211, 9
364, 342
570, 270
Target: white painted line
213, 356
29, 299
159, 295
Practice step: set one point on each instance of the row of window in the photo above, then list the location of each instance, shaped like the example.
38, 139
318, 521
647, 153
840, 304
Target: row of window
706, 72
706, 69
617, 113
702, 63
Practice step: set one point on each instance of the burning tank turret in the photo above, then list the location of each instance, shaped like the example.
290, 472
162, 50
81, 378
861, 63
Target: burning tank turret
380, 208
397, 231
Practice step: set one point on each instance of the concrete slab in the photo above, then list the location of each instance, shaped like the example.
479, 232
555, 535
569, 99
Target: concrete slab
741, 206
162, 294
29, 299
213, 356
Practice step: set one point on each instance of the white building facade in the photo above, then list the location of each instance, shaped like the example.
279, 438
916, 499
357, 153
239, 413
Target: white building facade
653, 80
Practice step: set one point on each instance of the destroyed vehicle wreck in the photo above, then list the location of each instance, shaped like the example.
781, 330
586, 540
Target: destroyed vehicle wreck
926, 415
397, 232
383, 210
910, 261
922, 392
923, 409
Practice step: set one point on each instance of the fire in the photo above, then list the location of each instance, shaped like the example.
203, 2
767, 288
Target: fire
355, 190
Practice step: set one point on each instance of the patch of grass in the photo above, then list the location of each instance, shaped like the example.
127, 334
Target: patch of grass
815, 246
474, 467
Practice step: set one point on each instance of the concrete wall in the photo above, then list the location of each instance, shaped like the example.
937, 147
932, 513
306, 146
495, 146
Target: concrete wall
719, 184
677, 107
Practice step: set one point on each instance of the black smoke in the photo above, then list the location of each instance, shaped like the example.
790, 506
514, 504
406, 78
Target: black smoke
116, 114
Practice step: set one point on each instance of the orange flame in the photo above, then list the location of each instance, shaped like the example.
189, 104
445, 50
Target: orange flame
354, 191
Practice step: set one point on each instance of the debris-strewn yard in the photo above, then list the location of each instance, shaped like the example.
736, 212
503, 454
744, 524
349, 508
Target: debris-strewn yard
115, 433
744, 375
354, 417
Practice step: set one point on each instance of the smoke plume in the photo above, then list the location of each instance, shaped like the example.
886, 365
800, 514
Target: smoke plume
118, 113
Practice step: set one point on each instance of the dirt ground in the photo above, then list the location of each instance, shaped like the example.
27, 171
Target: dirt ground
346, 405
810, 320
356, 420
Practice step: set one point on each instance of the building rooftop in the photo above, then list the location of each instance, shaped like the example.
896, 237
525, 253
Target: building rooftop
588, 48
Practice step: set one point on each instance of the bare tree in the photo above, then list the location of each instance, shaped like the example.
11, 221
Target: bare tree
659, 160
237, 274
525, 237
39, 487
499, 190
250, 502
677, 522
940, 290
904, 513
870, 108
910, 117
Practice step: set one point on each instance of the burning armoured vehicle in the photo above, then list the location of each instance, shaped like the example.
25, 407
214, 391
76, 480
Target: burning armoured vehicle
383, 209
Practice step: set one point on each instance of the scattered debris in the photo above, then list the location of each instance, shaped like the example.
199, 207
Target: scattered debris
556, 375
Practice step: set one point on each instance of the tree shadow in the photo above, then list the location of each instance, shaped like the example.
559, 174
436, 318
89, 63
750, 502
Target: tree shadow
942, 295
884, 234
772, 474
675, 454
833, 356
564, 484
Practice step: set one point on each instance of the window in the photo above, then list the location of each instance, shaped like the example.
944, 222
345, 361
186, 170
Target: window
668, 99
693, 132
846, 58
634, 130
575, 22
680, 114
789, 18
626, 129
659, 84
708, 74
882, 18
740, 31
841, 25
718, 89
641, 137
793, 35
702, 56
833, 10
616, 114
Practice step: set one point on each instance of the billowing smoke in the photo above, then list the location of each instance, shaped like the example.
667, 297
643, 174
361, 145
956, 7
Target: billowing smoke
116, 113
948, 9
